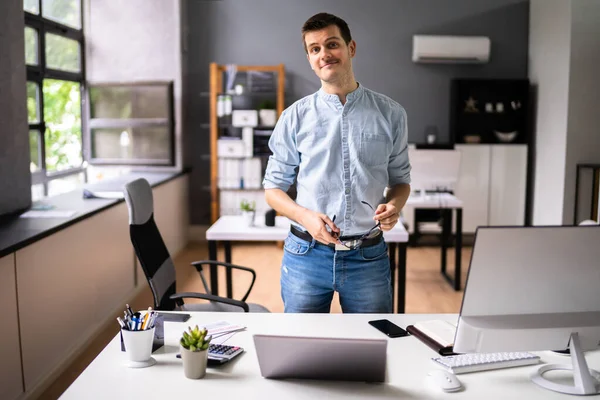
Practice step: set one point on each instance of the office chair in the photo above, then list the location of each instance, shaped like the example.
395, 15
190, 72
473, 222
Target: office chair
158, 266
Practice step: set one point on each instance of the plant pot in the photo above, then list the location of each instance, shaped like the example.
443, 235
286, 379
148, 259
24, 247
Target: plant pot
248, 217
267, 117
194, 363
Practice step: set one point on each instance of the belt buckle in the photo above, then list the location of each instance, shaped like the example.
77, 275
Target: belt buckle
341, 247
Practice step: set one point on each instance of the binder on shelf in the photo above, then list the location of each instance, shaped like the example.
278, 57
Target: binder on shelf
437, 334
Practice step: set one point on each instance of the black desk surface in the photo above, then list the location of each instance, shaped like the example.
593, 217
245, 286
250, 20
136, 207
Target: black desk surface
16, 232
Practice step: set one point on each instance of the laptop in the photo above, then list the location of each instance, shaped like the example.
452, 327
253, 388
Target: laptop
294, 357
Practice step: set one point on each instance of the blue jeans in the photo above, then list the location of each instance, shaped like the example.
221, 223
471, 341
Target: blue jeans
311, 272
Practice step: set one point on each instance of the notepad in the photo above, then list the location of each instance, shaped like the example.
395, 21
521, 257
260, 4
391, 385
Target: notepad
439, 330
437, 334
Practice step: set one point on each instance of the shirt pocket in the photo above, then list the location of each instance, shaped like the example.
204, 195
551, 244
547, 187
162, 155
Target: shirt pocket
374, 149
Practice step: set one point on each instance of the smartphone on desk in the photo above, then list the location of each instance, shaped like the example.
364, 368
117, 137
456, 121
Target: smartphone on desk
388, 328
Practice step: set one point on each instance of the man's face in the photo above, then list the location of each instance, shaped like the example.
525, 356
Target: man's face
328, 54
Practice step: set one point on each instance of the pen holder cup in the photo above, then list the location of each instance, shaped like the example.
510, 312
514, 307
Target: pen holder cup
138, 347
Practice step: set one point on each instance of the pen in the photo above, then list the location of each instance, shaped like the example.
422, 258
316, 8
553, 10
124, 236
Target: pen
137, 322
145, 321
129, 311
120, 321
152, 319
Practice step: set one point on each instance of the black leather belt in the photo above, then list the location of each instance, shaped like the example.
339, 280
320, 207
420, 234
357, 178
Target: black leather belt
365, 243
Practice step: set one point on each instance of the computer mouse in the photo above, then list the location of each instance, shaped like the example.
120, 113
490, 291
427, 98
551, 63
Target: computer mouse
445, 380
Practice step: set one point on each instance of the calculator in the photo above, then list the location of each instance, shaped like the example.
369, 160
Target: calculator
220, 353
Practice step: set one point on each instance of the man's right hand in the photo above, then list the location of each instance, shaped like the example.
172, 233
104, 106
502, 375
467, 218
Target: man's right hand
316, 224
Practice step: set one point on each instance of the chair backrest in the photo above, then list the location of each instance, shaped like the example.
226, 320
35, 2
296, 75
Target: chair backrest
149, 245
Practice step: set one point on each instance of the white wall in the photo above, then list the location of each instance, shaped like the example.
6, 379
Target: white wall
135, 40
583, 126
549, 55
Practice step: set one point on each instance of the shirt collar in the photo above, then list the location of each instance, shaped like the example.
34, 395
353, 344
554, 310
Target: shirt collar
355, 94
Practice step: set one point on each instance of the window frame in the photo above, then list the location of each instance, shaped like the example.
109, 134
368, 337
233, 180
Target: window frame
111, 123
37, 74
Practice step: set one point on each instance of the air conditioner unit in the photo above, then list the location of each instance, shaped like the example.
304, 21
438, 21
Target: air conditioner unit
451, 49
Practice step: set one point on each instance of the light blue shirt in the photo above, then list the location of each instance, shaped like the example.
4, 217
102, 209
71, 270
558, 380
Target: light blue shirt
343, 154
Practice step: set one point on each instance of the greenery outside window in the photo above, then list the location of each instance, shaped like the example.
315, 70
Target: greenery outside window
131, 124
54, 56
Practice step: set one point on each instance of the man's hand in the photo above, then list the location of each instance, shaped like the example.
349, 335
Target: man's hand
388, 215
316, 224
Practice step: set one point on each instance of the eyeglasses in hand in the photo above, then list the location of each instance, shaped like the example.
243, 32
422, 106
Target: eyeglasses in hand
356, 243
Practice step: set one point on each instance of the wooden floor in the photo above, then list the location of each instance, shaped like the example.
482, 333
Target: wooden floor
426, 290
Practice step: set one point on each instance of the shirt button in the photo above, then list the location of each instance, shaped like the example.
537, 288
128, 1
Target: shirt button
347, 191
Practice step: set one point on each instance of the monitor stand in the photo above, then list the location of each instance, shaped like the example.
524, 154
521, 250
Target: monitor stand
587, 381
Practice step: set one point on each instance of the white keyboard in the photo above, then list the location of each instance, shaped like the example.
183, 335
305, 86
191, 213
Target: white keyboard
464, 363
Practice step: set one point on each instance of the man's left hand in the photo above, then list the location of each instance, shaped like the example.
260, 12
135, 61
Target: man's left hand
388, 215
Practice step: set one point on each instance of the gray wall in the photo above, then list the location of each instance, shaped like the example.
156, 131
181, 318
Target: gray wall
15, 178
549, 54
136, 40
259, 32
583, 130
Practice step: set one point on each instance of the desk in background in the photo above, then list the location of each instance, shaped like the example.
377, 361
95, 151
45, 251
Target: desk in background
408, 362
445, 202
233, 228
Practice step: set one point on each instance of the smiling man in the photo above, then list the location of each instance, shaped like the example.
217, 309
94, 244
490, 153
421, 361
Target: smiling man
343, 145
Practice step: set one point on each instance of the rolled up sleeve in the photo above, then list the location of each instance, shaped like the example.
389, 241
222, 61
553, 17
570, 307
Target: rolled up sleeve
283, 163
399, 165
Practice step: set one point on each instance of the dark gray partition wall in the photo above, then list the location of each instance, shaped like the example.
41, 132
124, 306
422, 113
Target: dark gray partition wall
15, 178
259, 32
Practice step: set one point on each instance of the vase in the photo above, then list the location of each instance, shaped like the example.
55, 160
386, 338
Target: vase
194, 363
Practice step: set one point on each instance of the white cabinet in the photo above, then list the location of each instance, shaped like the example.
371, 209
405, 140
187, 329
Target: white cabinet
492, 185
473, 184
508, 185
11, 380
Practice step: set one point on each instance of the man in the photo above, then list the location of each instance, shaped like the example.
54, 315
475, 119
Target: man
347, 144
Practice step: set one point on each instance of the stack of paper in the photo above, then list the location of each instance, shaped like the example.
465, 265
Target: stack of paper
222, 331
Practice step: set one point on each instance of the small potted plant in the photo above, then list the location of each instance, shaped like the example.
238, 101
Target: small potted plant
248, 211
194, 352
267, 113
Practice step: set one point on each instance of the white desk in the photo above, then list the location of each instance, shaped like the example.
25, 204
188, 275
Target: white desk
408, 361
445, 202
233, 228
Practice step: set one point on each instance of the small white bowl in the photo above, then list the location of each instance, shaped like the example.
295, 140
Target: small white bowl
506, 137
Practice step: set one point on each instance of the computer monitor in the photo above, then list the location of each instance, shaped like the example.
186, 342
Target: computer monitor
434, 170
533, 289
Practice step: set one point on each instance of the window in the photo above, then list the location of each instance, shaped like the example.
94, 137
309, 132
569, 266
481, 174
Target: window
55, 62
131, 124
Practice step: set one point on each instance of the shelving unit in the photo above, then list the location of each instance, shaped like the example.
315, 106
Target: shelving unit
216, 88
489, 125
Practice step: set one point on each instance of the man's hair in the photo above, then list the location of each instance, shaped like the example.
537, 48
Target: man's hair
323, 20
